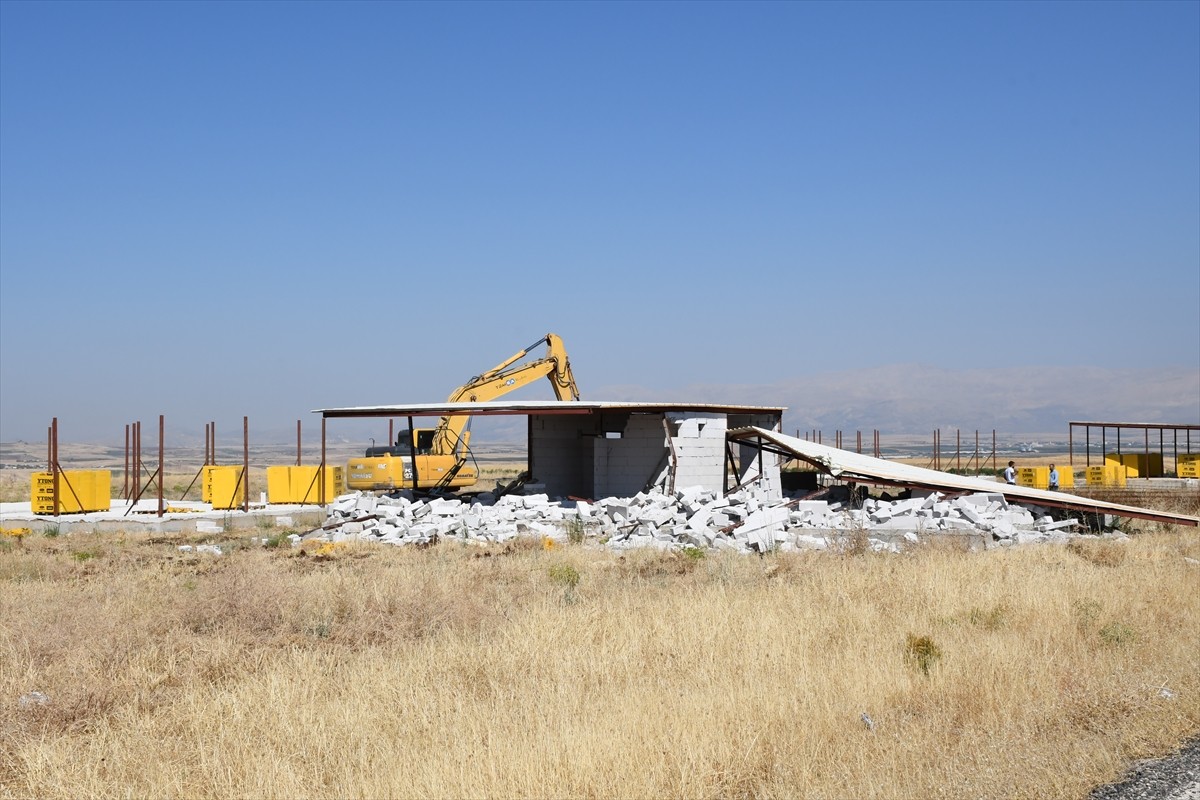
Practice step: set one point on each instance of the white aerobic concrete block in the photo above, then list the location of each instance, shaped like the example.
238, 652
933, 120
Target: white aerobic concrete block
1054, 526
698, 522
766, 518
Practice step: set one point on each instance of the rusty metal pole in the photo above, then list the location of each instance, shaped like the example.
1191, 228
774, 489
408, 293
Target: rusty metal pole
1071, 444
977, 464
391, 432
1087, 446
858, 445
53, 448
1145, 433
298, 461
958, 447
994, 465
245, 465
57, 469
162, 469
321, 490
125, 493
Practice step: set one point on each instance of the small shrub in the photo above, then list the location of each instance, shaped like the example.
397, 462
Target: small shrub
856, 544
320, 629
84, 555
278, 539
575, 531
50, 532
1118, 634
564, 575
992, 620
922, 652
1086, 613
694, 553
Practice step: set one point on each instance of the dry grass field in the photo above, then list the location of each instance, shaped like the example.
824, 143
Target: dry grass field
367, 671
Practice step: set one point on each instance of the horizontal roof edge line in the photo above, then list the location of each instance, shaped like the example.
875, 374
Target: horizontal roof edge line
538, 406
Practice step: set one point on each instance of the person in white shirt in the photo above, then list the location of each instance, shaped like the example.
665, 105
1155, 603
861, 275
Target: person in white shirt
1010, 474
1053, 479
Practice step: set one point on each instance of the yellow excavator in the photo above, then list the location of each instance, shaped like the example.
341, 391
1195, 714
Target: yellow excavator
438, 458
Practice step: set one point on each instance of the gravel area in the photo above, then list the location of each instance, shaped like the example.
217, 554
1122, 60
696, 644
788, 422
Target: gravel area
1176, 777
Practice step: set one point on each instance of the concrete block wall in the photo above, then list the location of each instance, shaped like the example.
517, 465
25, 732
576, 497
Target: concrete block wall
571, 455
699, 442
622, 467
560, 453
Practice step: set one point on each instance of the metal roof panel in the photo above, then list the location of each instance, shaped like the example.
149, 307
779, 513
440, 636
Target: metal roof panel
850, 466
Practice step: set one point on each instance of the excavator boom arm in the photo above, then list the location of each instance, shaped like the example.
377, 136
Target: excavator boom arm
505, 377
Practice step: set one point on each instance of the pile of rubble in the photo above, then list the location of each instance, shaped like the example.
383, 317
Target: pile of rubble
743, 521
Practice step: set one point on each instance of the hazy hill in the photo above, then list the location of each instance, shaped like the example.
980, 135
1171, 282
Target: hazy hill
896, 399
914, 398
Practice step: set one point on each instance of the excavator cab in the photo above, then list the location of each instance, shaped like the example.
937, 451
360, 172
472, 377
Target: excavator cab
407, 442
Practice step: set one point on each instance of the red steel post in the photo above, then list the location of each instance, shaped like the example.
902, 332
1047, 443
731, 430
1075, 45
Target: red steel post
162, 469
246, 465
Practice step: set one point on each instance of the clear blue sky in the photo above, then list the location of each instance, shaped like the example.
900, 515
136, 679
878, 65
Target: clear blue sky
216, 209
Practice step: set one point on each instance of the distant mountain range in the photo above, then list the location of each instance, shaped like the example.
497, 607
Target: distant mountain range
916, 398
900, 399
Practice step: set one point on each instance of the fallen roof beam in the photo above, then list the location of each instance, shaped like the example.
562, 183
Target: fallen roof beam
855, 467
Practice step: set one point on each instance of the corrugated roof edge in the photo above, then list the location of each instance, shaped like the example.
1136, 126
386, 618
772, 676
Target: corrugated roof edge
537, 406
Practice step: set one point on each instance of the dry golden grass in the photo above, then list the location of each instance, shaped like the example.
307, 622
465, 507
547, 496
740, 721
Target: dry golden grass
365, 671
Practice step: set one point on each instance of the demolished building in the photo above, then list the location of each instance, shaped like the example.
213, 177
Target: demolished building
591, 449
674, 475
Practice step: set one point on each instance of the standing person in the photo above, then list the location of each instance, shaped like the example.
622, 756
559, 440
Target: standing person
1010, 474
1053, 479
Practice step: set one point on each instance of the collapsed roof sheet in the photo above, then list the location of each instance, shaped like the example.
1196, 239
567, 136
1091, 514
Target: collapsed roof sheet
858, 468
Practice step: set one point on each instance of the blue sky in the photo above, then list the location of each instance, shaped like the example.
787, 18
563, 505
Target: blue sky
210, 210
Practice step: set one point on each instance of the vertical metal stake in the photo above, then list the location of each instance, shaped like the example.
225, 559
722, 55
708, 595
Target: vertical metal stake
162, 471
246, 465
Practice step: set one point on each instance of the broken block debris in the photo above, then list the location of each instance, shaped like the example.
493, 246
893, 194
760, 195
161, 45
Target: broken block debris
747, 521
